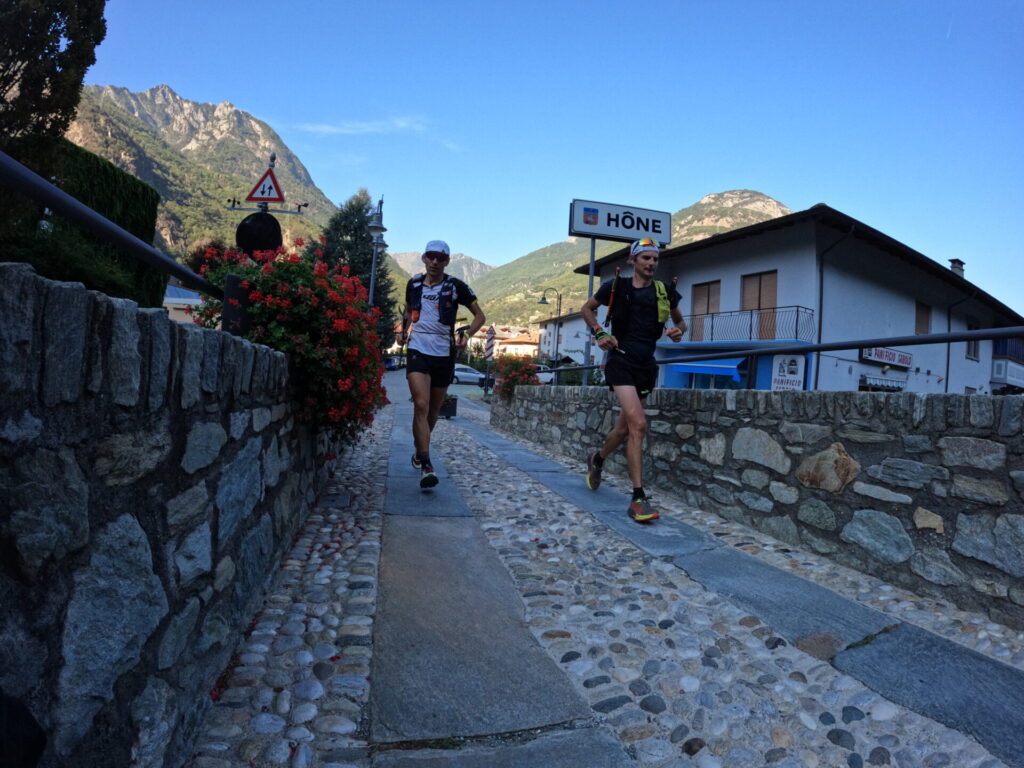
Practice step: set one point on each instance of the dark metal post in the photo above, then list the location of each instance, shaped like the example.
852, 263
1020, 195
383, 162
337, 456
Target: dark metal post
234, 314
590, 293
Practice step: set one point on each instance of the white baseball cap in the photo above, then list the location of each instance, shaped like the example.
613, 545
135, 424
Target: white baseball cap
437, 246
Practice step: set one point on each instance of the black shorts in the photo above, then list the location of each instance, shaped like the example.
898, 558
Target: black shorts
440, 369
620, 371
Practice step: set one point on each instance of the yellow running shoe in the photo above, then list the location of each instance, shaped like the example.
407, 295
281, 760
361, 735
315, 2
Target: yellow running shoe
642, 511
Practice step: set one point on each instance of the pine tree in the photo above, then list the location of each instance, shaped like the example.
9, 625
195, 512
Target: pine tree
349, 242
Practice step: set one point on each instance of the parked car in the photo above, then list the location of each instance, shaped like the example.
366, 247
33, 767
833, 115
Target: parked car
544, 374
465, 374
393, 363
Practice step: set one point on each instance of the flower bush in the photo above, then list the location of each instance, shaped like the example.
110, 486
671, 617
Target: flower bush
319, 316
510, 371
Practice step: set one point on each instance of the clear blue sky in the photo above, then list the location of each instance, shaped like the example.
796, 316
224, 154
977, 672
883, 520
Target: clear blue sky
479, 122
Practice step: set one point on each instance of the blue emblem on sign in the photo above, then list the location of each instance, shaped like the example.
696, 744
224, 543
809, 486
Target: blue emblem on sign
590, 215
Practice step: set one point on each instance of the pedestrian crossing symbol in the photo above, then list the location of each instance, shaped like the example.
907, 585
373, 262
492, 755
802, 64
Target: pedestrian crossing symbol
267, 190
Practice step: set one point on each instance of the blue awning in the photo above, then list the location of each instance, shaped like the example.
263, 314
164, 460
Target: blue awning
728, 367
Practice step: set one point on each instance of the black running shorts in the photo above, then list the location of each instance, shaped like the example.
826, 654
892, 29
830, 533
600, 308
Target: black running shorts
620, 371
439, 369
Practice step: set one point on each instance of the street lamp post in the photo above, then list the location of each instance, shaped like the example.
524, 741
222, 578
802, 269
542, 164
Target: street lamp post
558, 315
376, 229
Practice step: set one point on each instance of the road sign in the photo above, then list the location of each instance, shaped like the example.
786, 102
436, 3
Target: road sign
618, 222
267, 190
489, 346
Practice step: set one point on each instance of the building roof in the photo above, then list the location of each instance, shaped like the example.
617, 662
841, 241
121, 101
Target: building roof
838, 220
526, 339
175, 294
564, 318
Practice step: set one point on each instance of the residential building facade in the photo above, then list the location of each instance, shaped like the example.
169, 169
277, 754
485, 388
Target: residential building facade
820, 276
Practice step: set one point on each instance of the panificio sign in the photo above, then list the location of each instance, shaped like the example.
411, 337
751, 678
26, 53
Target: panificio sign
606, 221
886, 356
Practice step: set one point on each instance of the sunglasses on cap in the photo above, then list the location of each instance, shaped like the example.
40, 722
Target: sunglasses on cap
648, 242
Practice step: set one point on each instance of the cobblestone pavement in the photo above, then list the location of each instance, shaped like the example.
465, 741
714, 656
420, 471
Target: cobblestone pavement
680, 675
296, 691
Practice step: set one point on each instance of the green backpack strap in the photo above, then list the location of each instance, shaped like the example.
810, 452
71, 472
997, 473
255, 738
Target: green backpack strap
663, 308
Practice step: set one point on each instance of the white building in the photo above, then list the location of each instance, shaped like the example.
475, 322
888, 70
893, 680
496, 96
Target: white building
820, 276
566, 337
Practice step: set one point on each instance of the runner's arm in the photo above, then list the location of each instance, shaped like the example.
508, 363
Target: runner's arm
589, 311
676, 334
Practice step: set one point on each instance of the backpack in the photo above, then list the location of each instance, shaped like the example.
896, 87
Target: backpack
619, 311
447, 300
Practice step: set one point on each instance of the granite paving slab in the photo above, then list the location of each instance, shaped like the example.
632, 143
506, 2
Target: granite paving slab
797, 609
589, 748
665, 538
405, 497
511, 451
453, 656
952, 684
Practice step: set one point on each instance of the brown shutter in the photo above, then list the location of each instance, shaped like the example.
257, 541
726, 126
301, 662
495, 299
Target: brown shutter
922, 319
769, 283
751, 292
700, 299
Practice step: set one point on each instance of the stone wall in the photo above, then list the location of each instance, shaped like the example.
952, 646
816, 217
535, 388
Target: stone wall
151, 475
924, 491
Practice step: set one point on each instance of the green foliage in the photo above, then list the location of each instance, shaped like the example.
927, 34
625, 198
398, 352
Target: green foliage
346, 240
59, 250
45, 48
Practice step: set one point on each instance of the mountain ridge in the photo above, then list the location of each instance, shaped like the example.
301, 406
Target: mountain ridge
197, 156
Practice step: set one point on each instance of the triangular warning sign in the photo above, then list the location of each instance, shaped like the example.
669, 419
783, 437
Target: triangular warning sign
267, 190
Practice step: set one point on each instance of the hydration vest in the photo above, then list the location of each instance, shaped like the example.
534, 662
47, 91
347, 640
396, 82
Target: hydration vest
618, 311
447, 302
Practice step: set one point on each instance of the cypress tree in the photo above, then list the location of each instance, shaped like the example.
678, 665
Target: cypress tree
349, 242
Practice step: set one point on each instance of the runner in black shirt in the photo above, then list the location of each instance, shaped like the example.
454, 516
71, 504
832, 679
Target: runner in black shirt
639, 307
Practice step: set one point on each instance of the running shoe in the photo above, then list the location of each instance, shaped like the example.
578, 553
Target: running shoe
642, 511
593, 472
416, 461
427, 479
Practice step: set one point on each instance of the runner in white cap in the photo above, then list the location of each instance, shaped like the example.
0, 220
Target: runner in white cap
432, 302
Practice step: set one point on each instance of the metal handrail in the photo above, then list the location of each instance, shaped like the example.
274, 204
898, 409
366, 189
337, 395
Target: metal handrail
981, 334
21, 178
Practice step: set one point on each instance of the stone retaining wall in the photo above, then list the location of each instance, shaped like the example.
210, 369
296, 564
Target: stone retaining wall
924, 491
151, 475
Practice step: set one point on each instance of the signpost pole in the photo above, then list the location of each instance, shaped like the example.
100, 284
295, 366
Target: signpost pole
590, 293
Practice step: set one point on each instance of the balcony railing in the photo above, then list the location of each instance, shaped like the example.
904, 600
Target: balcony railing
1012, 349
791, 323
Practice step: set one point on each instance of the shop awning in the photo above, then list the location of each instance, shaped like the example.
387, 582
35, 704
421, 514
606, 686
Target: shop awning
882, 384
728, 367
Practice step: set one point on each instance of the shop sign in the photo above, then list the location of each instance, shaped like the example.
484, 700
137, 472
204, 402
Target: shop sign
885, 356
788, 372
